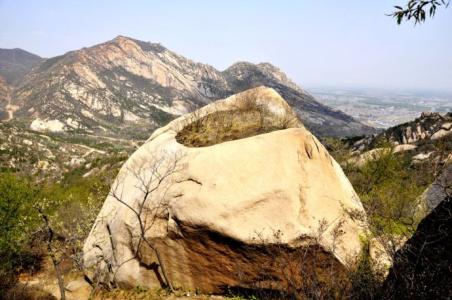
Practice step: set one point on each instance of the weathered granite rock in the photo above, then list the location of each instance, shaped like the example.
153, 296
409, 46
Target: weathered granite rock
225, 215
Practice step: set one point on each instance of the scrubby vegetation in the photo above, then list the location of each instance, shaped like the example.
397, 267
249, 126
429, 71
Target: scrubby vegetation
388, 185
388, 188
42, 219
17, 223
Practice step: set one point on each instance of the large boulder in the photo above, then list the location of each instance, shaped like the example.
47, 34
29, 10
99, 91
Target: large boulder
235, 195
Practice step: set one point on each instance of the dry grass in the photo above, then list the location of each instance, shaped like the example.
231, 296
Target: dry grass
223, 126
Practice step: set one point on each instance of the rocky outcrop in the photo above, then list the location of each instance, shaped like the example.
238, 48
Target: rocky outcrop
428, 127
129, 87
445, 130
422, 268
360, 159
426, 141
242, 213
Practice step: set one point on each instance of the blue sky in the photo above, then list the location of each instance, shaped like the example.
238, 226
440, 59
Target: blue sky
328, 43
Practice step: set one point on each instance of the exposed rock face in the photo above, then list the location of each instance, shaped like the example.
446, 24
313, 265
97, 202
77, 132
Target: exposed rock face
422, 268
360, 159
224, 215
129, 87
427, 126
15, 64
435, 193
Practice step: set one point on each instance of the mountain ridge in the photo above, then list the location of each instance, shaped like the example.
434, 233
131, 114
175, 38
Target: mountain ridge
125, 86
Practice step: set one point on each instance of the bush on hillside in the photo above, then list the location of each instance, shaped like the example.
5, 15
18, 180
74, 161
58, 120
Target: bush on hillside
18, 221
71, 207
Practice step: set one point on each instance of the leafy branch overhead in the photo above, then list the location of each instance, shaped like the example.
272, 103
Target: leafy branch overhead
418, 10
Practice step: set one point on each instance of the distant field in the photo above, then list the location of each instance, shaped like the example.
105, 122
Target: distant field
382, 109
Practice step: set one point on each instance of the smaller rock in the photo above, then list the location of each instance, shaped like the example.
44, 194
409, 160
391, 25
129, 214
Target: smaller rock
90, 172
47, 125
77, 161
78, 289
42, 165
440, 134
403, 148
421, 157
27, 142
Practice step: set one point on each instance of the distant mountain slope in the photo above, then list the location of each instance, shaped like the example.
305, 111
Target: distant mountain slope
4, 100
319, 118
15, 63
128, 88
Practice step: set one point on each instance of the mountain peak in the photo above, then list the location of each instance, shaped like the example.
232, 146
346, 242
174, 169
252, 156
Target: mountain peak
265, 73
145, 46
263, 67
247, 64
120, 40
122, 37
17, 53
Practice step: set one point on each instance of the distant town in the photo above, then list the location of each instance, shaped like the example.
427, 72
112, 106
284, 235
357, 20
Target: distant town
382, 109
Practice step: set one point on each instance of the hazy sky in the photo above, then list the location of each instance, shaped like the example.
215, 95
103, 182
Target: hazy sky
348, 43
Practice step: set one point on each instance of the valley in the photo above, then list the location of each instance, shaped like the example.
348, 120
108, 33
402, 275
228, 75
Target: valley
383, 109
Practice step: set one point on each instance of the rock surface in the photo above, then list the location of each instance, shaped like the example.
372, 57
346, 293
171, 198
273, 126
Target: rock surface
360, 159
224, 215
435, 193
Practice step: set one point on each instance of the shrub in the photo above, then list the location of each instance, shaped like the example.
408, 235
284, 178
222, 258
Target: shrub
388, 187
18, 220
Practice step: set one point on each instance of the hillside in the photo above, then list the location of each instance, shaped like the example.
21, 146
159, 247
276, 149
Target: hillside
126, 87
15, 64
4, 98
